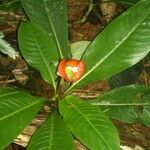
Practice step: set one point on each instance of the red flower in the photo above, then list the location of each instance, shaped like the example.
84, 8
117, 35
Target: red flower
71, 70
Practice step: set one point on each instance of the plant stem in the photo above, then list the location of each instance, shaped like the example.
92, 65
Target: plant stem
59, 87
91, 5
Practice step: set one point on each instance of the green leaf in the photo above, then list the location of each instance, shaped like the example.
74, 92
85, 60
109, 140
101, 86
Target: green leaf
6, 48
123, 103
78, 48
17, 109
10, 5
128, 2
39, 50
127, 76
51, 15
145, 116
52, 135
89, 124
123, 43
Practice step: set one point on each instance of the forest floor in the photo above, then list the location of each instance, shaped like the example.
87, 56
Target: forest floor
18, 73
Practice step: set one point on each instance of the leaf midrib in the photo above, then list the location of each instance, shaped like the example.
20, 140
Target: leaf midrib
112, 51
39, 49
117, 104
52, 132
53, 29
90, 124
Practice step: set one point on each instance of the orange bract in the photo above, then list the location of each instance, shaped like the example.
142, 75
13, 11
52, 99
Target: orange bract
71, 70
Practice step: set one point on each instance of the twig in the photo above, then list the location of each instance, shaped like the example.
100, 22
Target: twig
7, 81
84, 18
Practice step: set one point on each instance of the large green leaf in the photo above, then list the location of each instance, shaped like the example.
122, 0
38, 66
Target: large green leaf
52, 135
89, 124
17, 109
10, 5
123, 43
145, 116
39, 50
128, 2
127, 76
123, 103
51, 15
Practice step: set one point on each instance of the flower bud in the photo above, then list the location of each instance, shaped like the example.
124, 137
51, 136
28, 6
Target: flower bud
71, 70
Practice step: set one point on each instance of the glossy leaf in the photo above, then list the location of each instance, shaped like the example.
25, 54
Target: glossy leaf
10, 5
123, 43
126, 77
6, 48
123, 103
78, 49
128, 2
17, 109
51, 15
39, 50
52, 135
145, 116
88, 124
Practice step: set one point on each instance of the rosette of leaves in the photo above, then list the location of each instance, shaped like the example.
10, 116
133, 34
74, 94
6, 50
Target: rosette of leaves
43, 42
